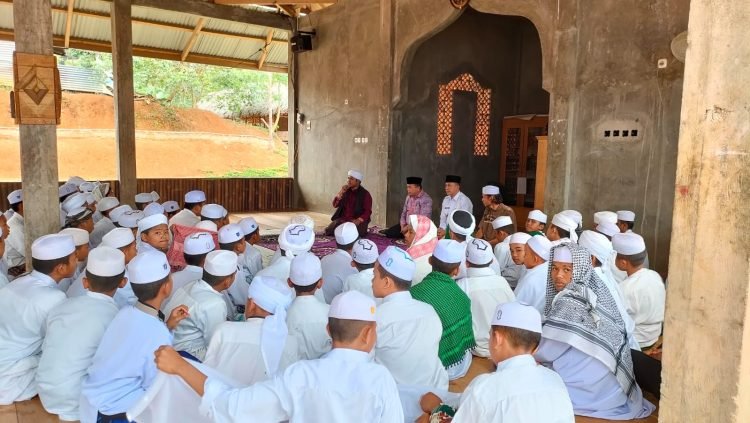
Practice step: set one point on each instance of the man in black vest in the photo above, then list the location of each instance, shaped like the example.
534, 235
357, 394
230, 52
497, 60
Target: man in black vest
353, 204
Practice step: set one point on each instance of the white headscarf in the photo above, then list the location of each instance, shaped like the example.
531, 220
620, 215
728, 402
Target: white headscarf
274, 297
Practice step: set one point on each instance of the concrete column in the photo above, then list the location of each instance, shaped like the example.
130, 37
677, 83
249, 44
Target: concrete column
122, 67
33, 34
706, 374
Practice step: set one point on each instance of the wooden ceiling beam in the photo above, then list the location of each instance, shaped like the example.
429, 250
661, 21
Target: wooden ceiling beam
193, 38
274, 3
69, 21
266, 49
218, 11
289, 10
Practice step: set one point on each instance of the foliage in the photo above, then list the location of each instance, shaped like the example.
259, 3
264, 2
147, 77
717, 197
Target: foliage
269, 172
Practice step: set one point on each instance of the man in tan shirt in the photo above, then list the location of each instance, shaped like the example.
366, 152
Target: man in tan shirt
493, 208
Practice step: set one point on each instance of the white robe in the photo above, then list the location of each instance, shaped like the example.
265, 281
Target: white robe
617, 274
235, 352
207, 310
344, 386
237, 291
279, 269
80, 272
362, 282
251, 262
74, 329
423, 268
184, 217
520, 391
306, 319
15, 247
409, 333
486, 290
458, 202
24, 306
511, 271
336, 266
645, 297
616, 292
532, 288
101, 228
183, 277
123, 296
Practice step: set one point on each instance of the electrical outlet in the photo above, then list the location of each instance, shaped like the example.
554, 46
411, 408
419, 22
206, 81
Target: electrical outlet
346, 101
308, 125
364, 140
662, 64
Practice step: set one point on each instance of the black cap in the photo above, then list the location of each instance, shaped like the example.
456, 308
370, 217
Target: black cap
414, 180
453, 178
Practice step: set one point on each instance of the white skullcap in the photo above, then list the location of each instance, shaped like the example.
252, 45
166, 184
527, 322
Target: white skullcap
86, 187
144, 197
199, 243
302, 219
170, 206
501, 221
130, 219
305, 270
449, 251
118, 238
75, 180
90, 199
356, 175
538, 216
73, 202
352, 305
15, 197
153, 208
628, 244
147, 267
605, 216
566, 223
230, 233
274, 296
213, 211
155, 196
80, 236
78, 214
221, 263
541, 246
597, 244
461, 222
490, 190
518, 315
519, 238
118, 211
608, 228
8, 214
398, 263
52, 247
67, 188
207, 225
195, 196
248, 225
346, 233
154, 220
296, 239
575, 216
479, 252
105, 262
562, 255
365, 252
626, 216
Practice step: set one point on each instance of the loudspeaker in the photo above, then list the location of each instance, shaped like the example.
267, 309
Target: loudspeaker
301, 42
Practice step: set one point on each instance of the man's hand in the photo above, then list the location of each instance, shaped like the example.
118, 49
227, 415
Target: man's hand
429, 402
342, 191
441, 233
177, 315
168, 360
358, 221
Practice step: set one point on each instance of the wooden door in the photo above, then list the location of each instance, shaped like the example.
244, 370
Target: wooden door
519, 157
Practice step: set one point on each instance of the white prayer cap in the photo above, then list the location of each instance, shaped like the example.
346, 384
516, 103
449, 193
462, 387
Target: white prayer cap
541, 246
213, 211
597, 244
626, 216
149, 222
517, 314
248, 225
574, 215
80, 236
118, 238
605, 216
86, 187
501, 222
538, 216
365, 252
230, 233
147, 267
130, 219
479, 252
171, 206
52, 247
398, 263
274, 296
118, 211
90, 199
73, 202
66, 189
155, 196
519, 238
449, 251
296, 239
153, 208
607, 228
346, 233
305, 270
352, 305
302, 219
144, 197
195, 196
566, 223
105, 262
562, 254
628, 244
199, 243
221, 263
78, 213
207, 225
8, 214
356, 175
490, 190
15, 197
75, 180
461, 222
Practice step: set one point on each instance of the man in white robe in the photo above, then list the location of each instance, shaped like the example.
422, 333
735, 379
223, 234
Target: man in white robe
81, 239
251, 260
24, 306
517, 246
307, 316
294, 240
532, 288
15, 246
190, 214
215, 213
195, 249
231, 238
105, 224
562, 229
454, 200
73, 331
337, 266
364, 255
3, 268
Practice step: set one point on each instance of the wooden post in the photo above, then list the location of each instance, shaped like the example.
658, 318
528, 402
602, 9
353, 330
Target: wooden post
292, 124
33, 34
541, 172
122, 67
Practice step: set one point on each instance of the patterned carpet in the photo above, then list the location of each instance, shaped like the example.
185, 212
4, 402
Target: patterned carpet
325, 245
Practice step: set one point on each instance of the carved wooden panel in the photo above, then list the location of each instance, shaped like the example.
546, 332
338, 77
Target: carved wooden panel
464, 82
36, 87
